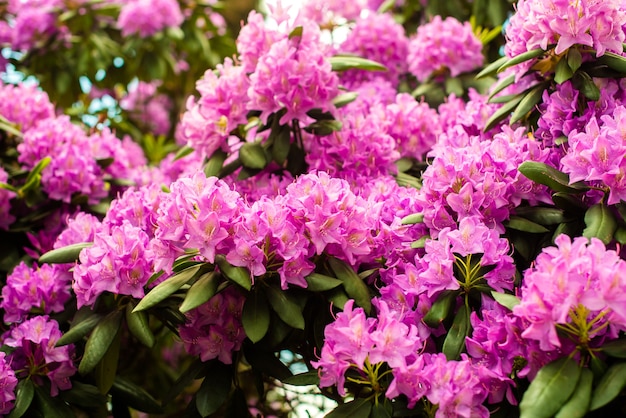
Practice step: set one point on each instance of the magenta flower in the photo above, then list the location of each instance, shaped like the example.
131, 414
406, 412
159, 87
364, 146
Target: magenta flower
148, 107
147, 17
444, 46
24, 105
8, 383
6, 218
35, 354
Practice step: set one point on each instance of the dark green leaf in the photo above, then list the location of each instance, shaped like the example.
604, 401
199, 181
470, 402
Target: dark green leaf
24, 394
135, 396
518, 59
424, 88
528, 103
600, 223
215, 163
195, 370
552, 387
319, 282
285, 306
506, 300
296, 32
440, 310
492, 68
106, 369
252, 155
214, 389
67, 254
358, 408
614, 61
549, 176
256, 316
281, 144
349, 62
167, 287
50, 407
267, 363
578, 404
323, 127
84, 395
523, 224
501, 85
183, 152
79, 330
139, 325
383, 409
338, 297
585, 84
200, 292
502, 113
562, 72
454, 343
611, 384
355, 287
541, 215
239, 275
105, 162
344, 99
303, 379
99, 341
574, 59
615, 348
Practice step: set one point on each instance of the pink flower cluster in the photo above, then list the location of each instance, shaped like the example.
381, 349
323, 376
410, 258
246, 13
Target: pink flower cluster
35, 355
24, 105
8, 383
540, 23
222, 106
442, 46
6, 219
33, 22
147, 17
380, 38
214, 329
596, 154
575, 288
149, 107
37, 289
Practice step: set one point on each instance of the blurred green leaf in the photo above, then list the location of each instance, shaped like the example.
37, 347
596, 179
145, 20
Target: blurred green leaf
67, 254
303, 379
357, 408
349, 62
505, 299
252, 155
135, 396
518, 59
214, 389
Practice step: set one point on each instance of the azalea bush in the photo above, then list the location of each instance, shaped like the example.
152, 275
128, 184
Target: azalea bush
407, 209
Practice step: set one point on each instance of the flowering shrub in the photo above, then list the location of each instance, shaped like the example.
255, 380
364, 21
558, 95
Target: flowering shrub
376, 216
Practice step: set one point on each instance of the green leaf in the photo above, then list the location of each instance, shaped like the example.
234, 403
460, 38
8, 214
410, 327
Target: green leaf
549, 176
615, 348
24, 394
79, 330
358, 408
518, 59
285, 306
105, 162
506, 300
256, 316
296, 32
502, 113
303, 379
320, 282
585, 84
454, 343
542, 215
440, 310
552, 387
135, 396
611, 384
355, 287
349, 62
67, 254
492, 68
345, 98
338, 297
214, 389
420, 243
600, 223
501, 85
99, 341
323, 127
214, 165
383, 409
183, 152
166, 288
574, 59
139, 325
412, 219
562, 72
106, 369
578, 404
524, 225
200, 292
281, 144
239, 275
528, 103
252, 155
83, 394
195, 370
50, 407
614, 61
37, 169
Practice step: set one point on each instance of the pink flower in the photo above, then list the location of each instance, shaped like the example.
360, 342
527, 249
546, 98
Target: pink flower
8, 383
